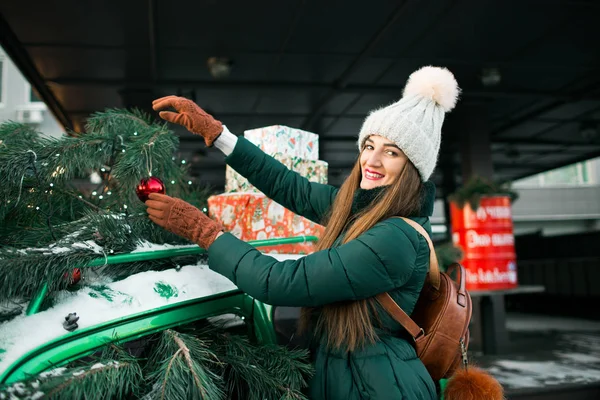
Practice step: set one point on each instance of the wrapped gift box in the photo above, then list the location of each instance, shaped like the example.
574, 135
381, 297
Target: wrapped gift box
314, 170
253, 216
286, 141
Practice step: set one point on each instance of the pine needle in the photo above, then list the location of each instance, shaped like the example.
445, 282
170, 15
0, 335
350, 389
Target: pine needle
101, 380
179, 369
47, 201
211, 366
262, 372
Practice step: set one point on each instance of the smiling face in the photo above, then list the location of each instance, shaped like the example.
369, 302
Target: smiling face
381, 162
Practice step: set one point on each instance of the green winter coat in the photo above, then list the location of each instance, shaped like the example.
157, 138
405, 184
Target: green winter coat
390, 257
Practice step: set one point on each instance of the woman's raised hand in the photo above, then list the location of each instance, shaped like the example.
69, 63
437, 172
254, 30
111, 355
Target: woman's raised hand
189, 115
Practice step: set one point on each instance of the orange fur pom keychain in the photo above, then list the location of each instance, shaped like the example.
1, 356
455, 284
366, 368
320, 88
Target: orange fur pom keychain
473, 384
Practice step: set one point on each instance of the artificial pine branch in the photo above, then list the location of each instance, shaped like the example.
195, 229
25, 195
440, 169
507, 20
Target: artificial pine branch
476, 187
15, 140
447, 254
106, 378
68, 157
23, 275
41, 208
179, 365
146, 148
261, 372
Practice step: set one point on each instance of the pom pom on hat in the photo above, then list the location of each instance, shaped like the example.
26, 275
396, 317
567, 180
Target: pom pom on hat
414, 123
435, 83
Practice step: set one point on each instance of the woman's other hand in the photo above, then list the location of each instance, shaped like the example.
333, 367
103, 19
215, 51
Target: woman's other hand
189, 115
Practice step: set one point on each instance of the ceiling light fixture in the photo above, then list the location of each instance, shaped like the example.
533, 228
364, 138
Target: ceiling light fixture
219, 67
490, 76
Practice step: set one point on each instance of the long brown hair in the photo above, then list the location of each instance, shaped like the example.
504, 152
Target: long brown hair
347, 325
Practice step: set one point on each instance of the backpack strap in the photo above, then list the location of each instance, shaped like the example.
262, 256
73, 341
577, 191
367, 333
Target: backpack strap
399, 315
434, 269
392, 307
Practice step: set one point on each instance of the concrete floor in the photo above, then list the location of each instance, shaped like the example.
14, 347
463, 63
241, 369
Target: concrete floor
546, 352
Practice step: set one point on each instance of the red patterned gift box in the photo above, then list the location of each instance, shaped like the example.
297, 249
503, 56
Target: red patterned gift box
253, 216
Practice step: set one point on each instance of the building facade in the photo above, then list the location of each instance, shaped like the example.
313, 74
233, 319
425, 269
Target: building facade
20, 103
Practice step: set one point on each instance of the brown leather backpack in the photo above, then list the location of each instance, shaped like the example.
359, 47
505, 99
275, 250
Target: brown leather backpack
440, 320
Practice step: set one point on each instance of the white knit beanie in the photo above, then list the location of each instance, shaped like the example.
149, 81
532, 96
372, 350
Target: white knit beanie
415, 121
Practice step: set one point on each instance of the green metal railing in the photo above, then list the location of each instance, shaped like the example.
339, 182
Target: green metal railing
36, 302
84, 341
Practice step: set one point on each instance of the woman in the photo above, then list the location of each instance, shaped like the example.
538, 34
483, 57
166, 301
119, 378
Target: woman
362, 353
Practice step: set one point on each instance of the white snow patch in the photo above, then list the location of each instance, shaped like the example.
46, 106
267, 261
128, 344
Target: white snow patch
53, 372
89, 245
56, 249
579, 358
524, 374
98, 304
147, 246
134, 294
19, 387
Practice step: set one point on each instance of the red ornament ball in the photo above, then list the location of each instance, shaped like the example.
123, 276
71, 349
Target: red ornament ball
149, 185
74, 278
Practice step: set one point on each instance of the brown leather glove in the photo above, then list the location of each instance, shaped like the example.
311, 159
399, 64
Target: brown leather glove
192, 117
183, 219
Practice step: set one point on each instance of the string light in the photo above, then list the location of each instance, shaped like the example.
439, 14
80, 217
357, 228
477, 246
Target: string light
172, 182
122, 150
80, 196
103, 169
52, 184
59, 171
183, 161
37, 208
125, 206
109, 193
135, 133
204, 209
57, 155
94, 193
100, 197
189, 182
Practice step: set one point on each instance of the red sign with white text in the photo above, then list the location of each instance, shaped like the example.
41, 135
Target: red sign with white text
487, 240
